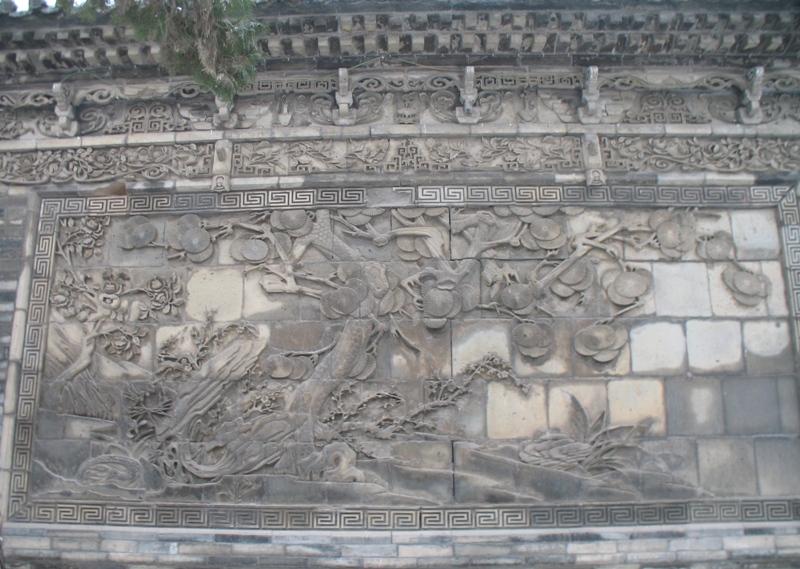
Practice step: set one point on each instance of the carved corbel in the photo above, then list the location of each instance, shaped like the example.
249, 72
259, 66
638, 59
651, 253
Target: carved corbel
749, 112
65, 110
589, 112
223, 157
470, 112
344, 115
224, 117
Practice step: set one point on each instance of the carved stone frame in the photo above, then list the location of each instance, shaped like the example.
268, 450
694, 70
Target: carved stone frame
23, 382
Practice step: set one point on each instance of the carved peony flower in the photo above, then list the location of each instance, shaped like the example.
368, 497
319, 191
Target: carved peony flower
187, 234
164, 295
533, 340
718, 247
747, 287
626, 287
125, 344
295, 222
136, 232
601, 342
675, 231
577, 278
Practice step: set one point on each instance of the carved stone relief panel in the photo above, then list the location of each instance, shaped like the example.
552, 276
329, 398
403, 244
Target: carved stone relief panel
401, 356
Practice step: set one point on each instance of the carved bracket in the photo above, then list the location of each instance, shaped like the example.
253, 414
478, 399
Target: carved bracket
749, 111
589, 113
470, 112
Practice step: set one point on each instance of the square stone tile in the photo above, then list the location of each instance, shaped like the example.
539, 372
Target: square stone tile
217, 291
778, 466
723, 303
790, 404
681, 289
694, 407
679, 454
512, 414
658, 348
776, 300
631, 400
751, 406
755, 234
714, 345
473, 339
767, 347
727, 466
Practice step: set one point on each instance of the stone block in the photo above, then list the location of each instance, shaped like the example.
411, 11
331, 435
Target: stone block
631, 400
714, 346
592, 396
512, 414
681, 289
767, 347
778, 466
751, 406
217, 291
727, 466
776, 300
790, 405
694, 407
755, 234
658, 348
429, 550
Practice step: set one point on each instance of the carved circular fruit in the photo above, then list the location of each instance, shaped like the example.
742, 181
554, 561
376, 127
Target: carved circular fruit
359, 219
438, 303
545, 210
236, 249
411, 212
631, 284
406, 244
529, 335
517, 296
254, 250
575, 274
593, 339
201, 256
719, 248
470, 297
293, 218
195, 240
187, 221
142, 234
748, 283
669, 234
279, 366
342, 301
556, 243
545, 229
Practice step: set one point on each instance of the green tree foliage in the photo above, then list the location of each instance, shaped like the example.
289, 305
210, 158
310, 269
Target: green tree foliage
213, 41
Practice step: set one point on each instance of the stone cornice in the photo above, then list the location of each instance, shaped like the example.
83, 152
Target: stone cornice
49, 45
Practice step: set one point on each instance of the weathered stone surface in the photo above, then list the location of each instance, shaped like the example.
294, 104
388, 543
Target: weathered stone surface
632, 400
751, 406
658, 348
714, 346
727, 466
778, 463
755, 234
511, 414
694, 406
681, 289
767, 347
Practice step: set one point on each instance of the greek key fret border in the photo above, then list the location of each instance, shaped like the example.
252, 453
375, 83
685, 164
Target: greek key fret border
731, 196
413, 518
398, 518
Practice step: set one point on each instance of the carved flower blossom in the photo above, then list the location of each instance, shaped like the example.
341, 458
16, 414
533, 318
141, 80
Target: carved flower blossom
626, 287
533, 340
601, 342
747, 287
188, 234
675, 231
164, 294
